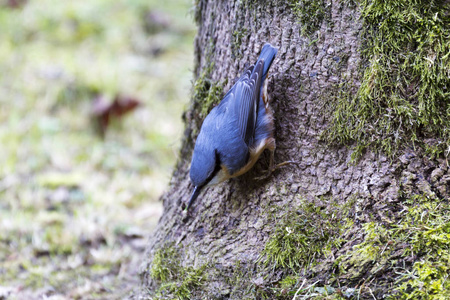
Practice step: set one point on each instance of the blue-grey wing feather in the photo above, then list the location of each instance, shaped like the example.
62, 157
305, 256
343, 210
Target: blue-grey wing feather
232, 127
230, 146
246, 100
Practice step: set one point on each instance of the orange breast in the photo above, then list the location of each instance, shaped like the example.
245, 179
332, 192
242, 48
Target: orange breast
255, 153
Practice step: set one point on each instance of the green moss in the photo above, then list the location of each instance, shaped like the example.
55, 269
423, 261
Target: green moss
406, 256
311, 14
426, 228
207, 93
421, 234
164, 264
302, 237
403, 99
304, 234
288, 282
237, 37
175, 280
427, 281
286, 253
368, 257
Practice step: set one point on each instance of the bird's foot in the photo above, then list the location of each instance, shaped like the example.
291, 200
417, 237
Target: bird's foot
273, 168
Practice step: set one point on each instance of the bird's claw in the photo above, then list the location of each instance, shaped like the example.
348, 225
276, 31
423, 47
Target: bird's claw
273, 168
265, 176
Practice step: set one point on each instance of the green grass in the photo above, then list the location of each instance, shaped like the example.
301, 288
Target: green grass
75, 209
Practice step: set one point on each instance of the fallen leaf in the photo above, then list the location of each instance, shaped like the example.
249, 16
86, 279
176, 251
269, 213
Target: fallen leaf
104, 112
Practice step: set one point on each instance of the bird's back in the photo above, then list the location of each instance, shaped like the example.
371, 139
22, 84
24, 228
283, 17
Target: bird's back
229, 130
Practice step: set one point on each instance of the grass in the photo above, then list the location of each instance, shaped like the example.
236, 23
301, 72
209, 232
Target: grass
75, 209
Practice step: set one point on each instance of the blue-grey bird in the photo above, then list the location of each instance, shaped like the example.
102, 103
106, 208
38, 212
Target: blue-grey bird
237, 131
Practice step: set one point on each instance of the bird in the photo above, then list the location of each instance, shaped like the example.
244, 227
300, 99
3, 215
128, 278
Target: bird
237, 131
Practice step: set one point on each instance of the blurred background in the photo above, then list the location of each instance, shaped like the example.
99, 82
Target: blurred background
91, 97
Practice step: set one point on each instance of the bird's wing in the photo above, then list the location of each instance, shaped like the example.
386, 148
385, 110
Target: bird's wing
246, 97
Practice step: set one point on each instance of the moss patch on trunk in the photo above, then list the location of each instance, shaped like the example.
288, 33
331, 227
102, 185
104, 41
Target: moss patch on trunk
310, 13
173, 279
404, 96
408, 258
403, 257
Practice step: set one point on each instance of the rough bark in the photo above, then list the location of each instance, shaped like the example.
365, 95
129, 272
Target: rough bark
232, 223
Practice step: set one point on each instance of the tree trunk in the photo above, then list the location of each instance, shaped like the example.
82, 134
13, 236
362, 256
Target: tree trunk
333, 224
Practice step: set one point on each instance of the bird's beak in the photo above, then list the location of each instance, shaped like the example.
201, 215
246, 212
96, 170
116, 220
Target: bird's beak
194, 196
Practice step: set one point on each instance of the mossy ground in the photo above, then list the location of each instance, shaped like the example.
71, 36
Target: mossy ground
404, 97
75, 209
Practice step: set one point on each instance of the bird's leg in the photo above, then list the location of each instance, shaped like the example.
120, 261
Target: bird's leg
272, 167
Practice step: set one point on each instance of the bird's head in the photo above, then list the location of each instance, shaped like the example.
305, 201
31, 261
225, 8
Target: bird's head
205, 168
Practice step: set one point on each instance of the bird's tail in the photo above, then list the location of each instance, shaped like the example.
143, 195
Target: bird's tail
268, 54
